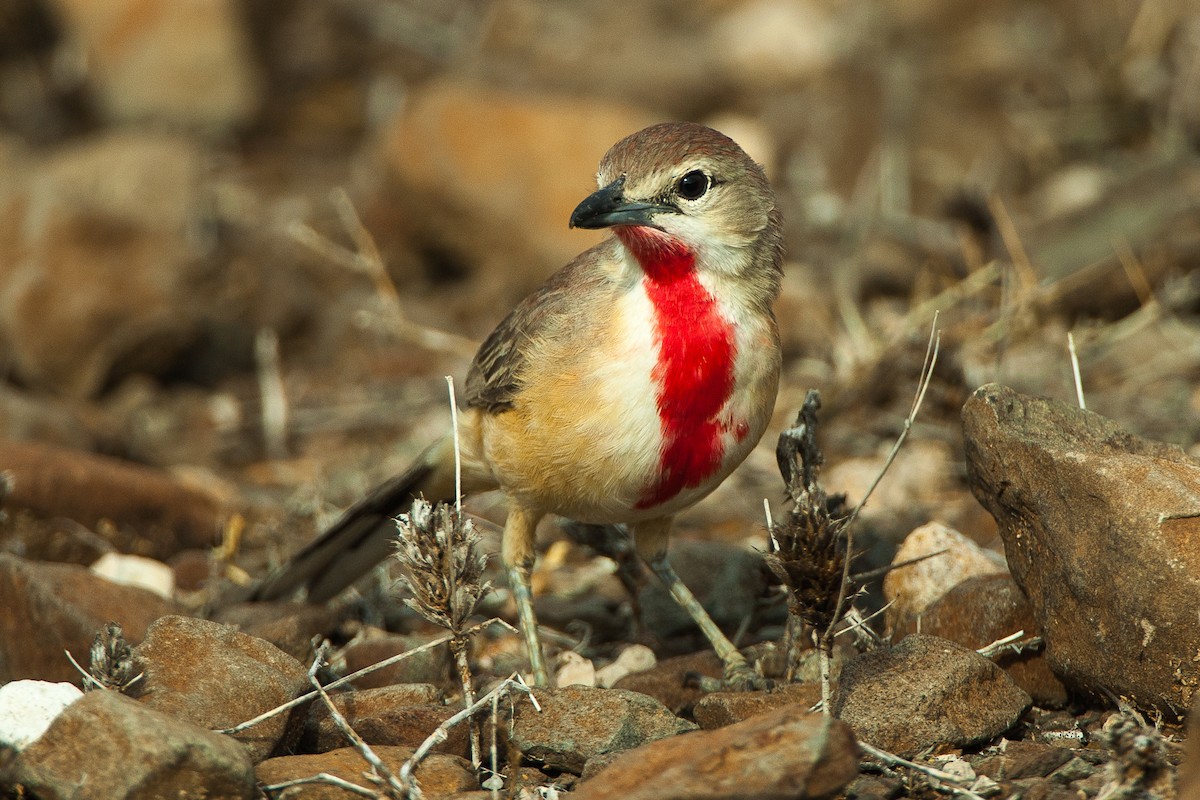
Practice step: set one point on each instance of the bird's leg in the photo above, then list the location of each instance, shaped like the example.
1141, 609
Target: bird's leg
651, 542
517, 549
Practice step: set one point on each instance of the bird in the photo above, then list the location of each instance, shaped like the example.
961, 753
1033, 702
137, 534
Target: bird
622, 391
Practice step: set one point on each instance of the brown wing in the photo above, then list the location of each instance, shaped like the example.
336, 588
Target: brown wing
495, 376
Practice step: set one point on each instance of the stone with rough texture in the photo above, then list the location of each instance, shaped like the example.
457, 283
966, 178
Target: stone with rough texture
160, 60
427, 666
107, 746
983, 609
719, 709
911, 589
76, 316
49, 608
216, 677
27, 708
579, 722
926, 692
438, 774
394, 715
786, 754
1102, 532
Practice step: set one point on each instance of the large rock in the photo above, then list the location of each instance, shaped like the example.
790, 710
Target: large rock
49, 608
161, 60
926, 692
108, 746
98, 271
217, 677
786, 754
1102, 532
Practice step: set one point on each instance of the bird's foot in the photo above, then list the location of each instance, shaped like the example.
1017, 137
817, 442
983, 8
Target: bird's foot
739, 677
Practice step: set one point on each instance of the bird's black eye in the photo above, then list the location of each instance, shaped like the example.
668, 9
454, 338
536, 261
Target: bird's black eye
693, 185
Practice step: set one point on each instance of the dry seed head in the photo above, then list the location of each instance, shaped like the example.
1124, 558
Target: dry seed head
443, 563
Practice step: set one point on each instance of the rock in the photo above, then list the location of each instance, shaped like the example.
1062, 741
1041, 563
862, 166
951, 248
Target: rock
148, 511
631, 660
428, 666
728, 580
913, 588
1102, 532
926, 692
579, 722
1017, 760
77, 316
161, 61
438, 774
106, 745
478, 184
780, 755
983, 609
145, 573
27, 708
215, 676
669, 681
291, 627
390, 715
49, 608
719, 709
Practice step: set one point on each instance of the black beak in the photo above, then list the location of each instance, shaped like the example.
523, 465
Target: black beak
607, 207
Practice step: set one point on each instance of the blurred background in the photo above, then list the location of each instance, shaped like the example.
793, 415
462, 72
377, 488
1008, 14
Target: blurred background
244, 240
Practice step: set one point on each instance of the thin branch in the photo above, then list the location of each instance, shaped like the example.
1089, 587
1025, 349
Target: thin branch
322, 778
272, 392
1012, 642
892, 760
380, 769
1075, 370
509, 685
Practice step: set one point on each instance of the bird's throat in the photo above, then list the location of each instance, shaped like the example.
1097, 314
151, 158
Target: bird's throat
694, 369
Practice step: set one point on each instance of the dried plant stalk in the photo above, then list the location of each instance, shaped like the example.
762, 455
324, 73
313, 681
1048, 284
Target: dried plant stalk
808, 548
443, 563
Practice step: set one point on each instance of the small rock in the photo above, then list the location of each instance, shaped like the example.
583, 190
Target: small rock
914, 588
389, 715
579, 722
573, 669
27, 708
926, 692
106, 745
145, 573
669, 681
428, 666
982, 610
215, 676
49, 608
438, 774
157, 60
1091, 516
784, 754
719, 709
728, 580
633, 659
1022, 760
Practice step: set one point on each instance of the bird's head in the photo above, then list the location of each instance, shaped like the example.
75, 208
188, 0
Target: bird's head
682, 187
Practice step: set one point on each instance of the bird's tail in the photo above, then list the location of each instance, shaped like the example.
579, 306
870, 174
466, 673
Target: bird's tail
363, 536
